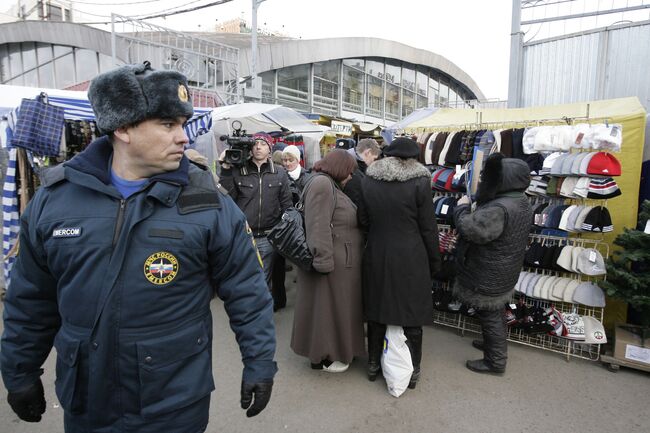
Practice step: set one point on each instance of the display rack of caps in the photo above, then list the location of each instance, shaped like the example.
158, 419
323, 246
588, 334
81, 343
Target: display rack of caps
560, 289
444, 205
573, 218
562, 257
449, 179
455, 147
577, 175
536, 319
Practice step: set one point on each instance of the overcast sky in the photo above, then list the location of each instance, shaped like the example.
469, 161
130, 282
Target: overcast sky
473, 34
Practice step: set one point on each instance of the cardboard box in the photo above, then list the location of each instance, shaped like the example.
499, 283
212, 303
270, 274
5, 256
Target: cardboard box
628, 345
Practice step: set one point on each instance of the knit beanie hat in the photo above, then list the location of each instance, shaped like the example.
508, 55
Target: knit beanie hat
556, 169
573, 216
589, 294
604, 164
608, 137
598, 220
594, 331
575, 166
569, 290
581, 188
567, 163
564, 260
590, 262
133, 93
263, 136
564, 220
293, 151
604, 188
581, 218
584, 163
575, 252
568, 185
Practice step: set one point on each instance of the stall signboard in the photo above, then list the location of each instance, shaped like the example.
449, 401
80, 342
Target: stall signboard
341, 128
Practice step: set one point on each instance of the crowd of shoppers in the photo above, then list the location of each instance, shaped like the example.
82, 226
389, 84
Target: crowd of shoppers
370, 225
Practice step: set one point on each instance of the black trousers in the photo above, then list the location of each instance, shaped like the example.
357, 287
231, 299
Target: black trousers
278, 290
495, 352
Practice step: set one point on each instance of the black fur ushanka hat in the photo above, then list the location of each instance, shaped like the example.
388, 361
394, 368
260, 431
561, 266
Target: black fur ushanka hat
133, 93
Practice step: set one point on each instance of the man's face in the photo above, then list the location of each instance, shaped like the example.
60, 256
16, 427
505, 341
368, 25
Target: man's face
261, 151
289, 162
153, 146
369, 157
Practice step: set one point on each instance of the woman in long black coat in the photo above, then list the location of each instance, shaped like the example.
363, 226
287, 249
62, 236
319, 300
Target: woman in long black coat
401, 253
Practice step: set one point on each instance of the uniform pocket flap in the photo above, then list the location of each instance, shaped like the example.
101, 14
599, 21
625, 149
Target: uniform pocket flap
161, 351
67, 348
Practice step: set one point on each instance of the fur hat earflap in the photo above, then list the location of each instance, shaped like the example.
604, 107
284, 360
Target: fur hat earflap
133, 93
491, 178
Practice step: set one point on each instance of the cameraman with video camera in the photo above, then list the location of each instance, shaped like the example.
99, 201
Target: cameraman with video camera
258, 186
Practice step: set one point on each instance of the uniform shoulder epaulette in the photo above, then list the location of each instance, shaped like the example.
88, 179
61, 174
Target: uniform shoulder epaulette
201, 193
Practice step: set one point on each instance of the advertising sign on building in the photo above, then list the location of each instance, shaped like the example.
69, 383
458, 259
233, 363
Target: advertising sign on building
342, 128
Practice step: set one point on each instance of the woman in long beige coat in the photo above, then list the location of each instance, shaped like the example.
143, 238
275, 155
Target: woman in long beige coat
328, 318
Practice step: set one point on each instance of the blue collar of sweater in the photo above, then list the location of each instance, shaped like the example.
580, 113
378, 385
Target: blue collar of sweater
96, 161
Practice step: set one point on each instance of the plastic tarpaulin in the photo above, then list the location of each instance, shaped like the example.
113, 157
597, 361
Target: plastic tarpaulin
389, 132
627, 111
256, 117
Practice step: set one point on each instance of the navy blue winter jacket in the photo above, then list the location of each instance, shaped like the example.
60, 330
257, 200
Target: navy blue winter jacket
122, 289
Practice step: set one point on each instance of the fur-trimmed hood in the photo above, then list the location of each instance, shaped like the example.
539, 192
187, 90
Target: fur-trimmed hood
393, 169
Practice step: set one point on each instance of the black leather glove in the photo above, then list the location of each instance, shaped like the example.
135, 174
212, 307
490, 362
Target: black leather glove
262, 392
29, 403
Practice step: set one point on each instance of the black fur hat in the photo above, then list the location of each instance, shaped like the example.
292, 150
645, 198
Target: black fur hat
501, 174
402, 147
133, 93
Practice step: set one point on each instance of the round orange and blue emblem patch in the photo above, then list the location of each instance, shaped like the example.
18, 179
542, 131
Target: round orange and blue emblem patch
160, 268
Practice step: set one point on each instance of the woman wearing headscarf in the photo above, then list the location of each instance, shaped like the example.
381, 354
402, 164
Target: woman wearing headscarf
401, 253
328, 317
490, 252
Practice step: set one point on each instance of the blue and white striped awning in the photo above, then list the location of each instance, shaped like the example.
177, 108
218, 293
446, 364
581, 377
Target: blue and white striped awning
80, 109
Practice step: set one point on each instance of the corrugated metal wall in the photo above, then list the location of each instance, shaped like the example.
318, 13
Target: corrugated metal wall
610, 63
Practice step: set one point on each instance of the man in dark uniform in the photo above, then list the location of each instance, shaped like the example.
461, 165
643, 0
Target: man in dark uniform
121, 250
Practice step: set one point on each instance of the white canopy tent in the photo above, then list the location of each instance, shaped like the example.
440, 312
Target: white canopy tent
256, 117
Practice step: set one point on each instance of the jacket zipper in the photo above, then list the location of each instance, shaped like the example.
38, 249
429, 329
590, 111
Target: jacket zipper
120, 221
259, 209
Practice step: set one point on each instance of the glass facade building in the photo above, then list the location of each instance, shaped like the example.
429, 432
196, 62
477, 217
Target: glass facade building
385, 90
37, 64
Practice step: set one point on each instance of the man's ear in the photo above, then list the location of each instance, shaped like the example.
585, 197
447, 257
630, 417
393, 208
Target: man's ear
122, 133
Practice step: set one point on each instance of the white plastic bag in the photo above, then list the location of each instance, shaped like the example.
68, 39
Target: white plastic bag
396, 361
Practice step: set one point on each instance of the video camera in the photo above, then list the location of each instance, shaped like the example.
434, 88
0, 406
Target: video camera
240, 144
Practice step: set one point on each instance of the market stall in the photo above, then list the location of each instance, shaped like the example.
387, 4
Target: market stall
460, 135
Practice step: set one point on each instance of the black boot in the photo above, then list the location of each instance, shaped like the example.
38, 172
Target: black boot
376, 333
414, 342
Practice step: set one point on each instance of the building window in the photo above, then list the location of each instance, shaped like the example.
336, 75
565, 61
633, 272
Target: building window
444, 95
408, 103
375, 104
267, 87
293, 83
392, 102
434, 95
354, 63
422, 84
326, 85
393, 72
408, 78
353, 89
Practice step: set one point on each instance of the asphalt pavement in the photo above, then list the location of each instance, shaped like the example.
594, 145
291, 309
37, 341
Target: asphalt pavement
540, 392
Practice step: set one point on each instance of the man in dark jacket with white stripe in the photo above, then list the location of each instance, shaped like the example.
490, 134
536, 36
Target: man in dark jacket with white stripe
121, 251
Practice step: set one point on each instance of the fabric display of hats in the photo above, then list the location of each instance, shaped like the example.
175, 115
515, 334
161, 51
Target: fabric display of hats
581, 188
538, 185
587, 261
560, 289
549, 161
